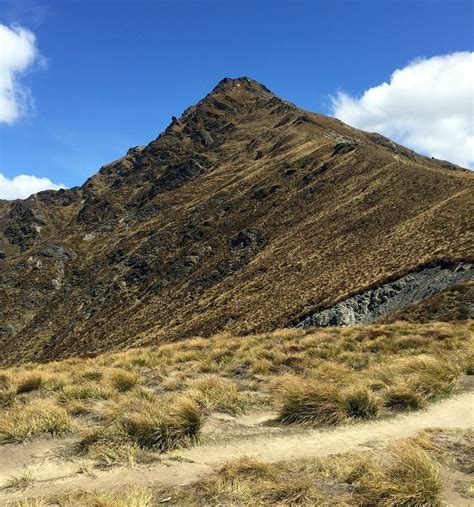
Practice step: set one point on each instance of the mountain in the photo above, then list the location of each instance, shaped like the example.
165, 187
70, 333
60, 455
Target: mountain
245, 214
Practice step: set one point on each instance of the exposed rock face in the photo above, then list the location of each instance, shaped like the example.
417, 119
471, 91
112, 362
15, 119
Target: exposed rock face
245, 214
390, 297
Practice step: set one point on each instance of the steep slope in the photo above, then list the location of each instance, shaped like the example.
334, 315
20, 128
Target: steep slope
245, 214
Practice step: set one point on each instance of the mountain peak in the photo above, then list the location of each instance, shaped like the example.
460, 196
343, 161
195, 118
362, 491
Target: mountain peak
228, 84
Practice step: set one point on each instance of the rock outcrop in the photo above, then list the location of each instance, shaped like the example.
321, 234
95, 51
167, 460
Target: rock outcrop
388, 298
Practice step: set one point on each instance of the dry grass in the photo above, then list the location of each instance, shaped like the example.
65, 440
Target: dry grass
121, 400
130, 497
20, 482
411, 478
360, 403
7, 397
85, 392
403, 476
305, 402
20, 423
146, 427
123, 380
30, 382
32, 502
216, 393
402, 397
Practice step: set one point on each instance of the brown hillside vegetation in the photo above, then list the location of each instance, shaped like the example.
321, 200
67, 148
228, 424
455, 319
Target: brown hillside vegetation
246, 213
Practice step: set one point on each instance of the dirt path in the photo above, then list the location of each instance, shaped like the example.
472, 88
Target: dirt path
56, 475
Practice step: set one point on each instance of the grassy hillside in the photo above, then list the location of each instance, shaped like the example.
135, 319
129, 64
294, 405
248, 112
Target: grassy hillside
245, 214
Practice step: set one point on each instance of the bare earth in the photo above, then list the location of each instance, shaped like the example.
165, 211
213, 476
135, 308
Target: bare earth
227, 438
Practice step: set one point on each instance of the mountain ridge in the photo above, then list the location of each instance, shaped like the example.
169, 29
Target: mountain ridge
242, 214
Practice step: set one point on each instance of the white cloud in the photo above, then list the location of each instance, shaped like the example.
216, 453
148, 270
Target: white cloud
18, 52
427, 105
22, 186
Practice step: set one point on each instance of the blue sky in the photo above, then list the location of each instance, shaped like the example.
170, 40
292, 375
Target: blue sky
113, 72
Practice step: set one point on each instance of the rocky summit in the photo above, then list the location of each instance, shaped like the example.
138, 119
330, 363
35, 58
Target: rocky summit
246, 214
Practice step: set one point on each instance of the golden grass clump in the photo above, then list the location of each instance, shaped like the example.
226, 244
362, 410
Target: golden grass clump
402, 397
246, 481
411, 479
129, 497
39, 417
7, 397
215, 393
310, 402
32, 502
84, 392
20, 482
149, 427
157, 431
360, 403
5, 381
91, 375
29, 382
247, 467
123, 380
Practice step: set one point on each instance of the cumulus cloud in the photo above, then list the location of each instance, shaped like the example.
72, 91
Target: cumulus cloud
18, 52
427, 105
22, 186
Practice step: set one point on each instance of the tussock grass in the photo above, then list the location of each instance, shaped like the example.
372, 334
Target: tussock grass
7, 397
411, 479
85, 392
404, 475
402, 397
76, 407
107, 447
29, 382
123, 380
247, 467
31, 502
360, 403
303, 374
128, 497
20, 482
18, 424
216, 393
151, 428
310, 402
5, 381
91, 375
158, 431
246, 481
